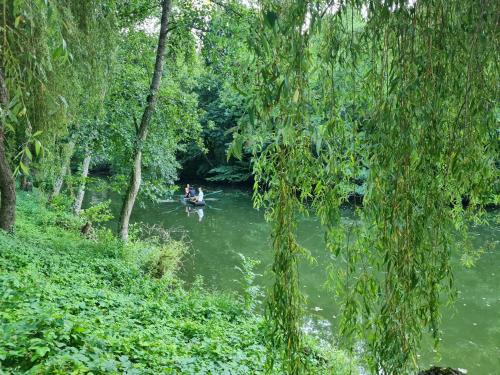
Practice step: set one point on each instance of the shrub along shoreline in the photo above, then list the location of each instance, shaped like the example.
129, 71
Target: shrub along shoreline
69, 304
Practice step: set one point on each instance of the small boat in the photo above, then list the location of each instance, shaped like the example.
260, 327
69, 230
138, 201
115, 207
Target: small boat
197, 204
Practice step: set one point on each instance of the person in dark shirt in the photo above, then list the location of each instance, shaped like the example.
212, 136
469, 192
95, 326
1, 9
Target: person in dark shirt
189, 191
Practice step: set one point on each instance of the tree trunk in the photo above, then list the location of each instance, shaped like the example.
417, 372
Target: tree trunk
7, 182
132, 191
81, 189
7, 190
135, 177
58, 183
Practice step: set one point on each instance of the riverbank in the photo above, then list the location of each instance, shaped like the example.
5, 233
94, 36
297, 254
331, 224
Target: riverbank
71, 304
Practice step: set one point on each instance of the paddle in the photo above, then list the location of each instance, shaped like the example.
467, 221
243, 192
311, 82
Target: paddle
214, 208
213, 192
175, 209
166, 201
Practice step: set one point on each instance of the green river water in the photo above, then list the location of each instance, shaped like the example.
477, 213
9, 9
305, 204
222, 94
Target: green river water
229, 225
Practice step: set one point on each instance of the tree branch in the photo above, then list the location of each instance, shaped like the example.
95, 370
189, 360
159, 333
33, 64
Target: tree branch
227, 7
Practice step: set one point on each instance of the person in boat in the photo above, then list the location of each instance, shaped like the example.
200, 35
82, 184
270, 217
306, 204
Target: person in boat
189, 192
199, 198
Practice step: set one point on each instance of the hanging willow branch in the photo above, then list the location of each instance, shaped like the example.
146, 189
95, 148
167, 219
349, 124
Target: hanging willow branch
279, 110
428, 147
419, 116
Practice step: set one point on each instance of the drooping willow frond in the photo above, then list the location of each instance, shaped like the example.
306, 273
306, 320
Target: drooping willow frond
406, 96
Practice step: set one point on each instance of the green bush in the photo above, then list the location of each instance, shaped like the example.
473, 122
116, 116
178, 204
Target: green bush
99, 213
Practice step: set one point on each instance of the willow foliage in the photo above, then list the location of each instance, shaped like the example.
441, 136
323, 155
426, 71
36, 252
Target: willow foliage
56, 55
32, 34
427, 76
429, 145
279, 111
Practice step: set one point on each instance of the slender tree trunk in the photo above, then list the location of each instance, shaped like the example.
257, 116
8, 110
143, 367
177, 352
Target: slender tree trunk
7, 190
135, 177
58, 183
81, 189
69, 184
7, 182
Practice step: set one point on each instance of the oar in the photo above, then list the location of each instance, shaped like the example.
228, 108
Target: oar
166, 201
213, 208
175, 209
213, 192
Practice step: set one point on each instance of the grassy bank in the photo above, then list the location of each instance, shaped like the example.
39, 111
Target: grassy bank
71, 305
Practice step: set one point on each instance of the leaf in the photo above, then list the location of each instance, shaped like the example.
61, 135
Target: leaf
236, 148
296, 96
58, 53
38, 147
41, 351
18, 21
37, 133
28, 153
24, 168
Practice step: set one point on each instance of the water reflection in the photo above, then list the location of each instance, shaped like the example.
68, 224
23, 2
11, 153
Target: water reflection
199, 211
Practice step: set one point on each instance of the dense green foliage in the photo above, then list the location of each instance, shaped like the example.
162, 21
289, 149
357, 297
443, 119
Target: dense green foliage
421, 131
76, 305
221, 98
429, 144
318, 102
49, 50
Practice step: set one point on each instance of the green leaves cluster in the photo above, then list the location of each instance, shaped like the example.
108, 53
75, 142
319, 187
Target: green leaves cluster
56, 56
221, 94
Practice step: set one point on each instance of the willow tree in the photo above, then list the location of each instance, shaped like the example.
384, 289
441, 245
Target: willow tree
47, 58
29, 104
279, 128
428, 142
430, 152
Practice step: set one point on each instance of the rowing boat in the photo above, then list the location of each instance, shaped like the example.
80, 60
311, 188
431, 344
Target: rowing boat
198, 204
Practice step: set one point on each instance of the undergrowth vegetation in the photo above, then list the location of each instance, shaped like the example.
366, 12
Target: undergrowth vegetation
74, 305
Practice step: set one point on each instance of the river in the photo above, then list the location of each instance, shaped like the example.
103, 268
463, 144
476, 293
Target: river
229, 225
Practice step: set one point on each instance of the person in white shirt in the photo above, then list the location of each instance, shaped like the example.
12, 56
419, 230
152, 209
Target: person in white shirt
199, 198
